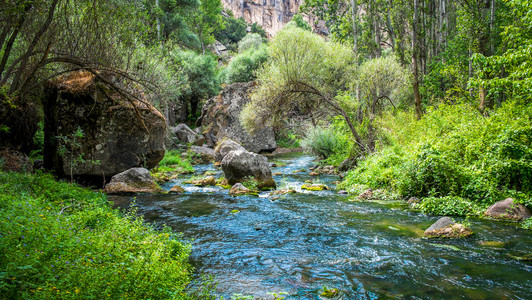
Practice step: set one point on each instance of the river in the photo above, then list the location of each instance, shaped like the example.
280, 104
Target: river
300, 243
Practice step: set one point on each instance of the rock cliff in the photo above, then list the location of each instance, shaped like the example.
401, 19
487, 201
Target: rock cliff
272, 15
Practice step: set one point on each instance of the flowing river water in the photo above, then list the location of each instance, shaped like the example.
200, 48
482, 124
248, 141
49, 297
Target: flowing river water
300, 243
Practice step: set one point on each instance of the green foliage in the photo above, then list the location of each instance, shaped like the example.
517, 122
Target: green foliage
287, 139
70, 147
298, 22
322, 142
172, 160
449, 206
510, 72
250, 41
454, 152
303, 70
62, 241
243, 67
201, 77
256, 28
233, 31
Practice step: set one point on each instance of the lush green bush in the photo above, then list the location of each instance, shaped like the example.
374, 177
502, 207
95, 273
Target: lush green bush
232, 32
59, 241
449, 206
250, 41
243, 66
172, 160
322, 141
454, 152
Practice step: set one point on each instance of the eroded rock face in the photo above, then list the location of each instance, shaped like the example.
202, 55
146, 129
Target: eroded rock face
184, 133
239, 165
134, 180
272, 15
508, 209
115, 133
205, 154
221, 119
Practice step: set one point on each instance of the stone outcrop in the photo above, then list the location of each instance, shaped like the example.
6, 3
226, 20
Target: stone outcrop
221, 119
206, 155
272, 15
508, 209
240, 165
184, 133
224, 147
118, 133
134, 180
445, 227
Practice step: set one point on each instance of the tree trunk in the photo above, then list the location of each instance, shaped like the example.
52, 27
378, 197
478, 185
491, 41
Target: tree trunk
415, 54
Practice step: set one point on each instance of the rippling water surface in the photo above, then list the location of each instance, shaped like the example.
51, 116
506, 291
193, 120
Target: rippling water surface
302, 242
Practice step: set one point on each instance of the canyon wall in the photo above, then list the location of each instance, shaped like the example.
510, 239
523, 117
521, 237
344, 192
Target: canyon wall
272, 15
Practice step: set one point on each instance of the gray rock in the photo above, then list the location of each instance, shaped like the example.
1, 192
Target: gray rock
508, 209
113, 132
238, 189
239, 165
342, 192
184, 133
134, 180
224, 147
221, 117
441, 223
207, 154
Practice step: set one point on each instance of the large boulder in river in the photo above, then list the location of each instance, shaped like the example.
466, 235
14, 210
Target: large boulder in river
224, 147
221, 118
445, 227
508, 209
134, 180
241, 165
118, 133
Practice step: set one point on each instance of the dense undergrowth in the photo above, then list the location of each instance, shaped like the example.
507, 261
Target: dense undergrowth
60, 241
454, 158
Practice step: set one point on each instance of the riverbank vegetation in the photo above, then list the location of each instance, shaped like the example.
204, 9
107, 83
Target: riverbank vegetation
63, 241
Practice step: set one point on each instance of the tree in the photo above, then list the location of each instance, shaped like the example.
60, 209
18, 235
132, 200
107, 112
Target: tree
303, 71
206, 19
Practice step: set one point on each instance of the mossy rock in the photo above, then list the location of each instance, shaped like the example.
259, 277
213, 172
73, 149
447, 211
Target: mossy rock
314, 187
451, 231
492, 244
329, 293
283, 192
177, 189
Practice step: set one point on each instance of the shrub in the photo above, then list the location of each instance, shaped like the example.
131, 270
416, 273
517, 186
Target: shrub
62, 241
449, 206
243, 66
250, 41
321, 141
172, 160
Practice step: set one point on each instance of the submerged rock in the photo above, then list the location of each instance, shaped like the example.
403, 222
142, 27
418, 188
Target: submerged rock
314, 187
239, 165
134, 180
283, 192
445, 227
177, 189
366, 195
508, 209
239, 189
207, 181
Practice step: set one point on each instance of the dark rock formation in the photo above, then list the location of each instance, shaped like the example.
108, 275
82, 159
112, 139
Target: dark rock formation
119, 133
239, 165
508, 209
134, 180
221, 119
14, 161
184, 133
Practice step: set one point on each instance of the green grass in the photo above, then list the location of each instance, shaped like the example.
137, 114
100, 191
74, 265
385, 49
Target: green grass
173, 161
59, 241
453, 156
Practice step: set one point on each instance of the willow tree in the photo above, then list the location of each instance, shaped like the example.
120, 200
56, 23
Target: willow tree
303, 70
